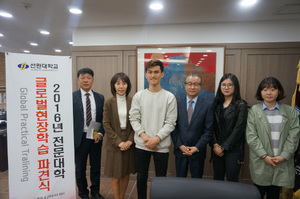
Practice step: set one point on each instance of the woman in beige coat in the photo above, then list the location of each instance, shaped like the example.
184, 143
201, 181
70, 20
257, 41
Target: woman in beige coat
120, 157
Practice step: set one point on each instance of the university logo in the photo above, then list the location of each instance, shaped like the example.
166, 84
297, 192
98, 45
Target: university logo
23, 66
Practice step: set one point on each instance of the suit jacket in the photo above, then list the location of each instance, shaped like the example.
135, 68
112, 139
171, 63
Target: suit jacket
78, 117
199, 132
111, 124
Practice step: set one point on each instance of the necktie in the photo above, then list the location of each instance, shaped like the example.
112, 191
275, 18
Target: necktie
190, 110
88, 109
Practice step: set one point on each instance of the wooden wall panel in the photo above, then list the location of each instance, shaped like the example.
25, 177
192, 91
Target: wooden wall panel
104, 64
279, 63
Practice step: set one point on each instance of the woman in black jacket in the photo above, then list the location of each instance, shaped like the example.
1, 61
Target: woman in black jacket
230, 119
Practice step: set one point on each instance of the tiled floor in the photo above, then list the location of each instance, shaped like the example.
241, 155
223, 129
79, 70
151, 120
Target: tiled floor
105, 187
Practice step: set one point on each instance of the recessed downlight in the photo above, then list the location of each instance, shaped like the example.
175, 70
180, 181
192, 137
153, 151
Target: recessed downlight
26, 51
44, 32
75, 11
34, 44
248, 2
71, 42
6, 14
156, 6
58, 50
1, 35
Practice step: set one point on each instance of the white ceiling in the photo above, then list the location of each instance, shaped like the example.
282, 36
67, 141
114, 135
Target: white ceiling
31, 16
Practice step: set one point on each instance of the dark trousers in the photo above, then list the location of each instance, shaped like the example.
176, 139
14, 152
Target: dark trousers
228, 165
142, 165
273, 192
93, 150
195, 163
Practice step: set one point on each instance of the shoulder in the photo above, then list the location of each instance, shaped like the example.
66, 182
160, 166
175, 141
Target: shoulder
110, 100
98, 95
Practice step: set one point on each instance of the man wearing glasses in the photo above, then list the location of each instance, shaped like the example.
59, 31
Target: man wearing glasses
194, 128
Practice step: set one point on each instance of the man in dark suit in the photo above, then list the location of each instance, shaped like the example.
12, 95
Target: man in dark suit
194, 128
87, 107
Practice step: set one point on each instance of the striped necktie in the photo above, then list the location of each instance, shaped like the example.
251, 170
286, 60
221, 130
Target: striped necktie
88, 110
190, 111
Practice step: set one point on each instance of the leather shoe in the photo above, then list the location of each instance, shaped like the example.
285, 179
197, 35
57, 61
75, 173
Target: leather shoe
85, 197
96, 196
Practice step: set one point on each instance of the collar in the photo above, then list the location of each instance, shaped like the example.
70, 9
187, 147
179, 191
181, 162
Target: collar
266, 108
83, 92
188, 99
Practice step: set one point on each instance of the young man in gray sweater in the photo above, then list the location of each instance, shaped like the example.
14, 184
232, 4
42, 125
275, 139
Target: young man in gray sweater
153, 117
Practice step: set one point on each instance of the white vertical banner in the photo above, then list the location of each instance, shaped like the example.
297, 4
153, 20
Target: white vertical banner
40, 127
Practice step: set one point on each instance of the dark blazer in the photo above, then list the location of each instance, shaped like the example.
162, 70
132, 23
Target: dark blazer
78, 117
235, 120
199, 132
111, 124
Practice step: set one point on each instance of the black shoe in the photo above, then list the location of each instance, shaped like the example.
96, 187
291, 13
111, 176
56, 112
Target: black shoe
85, 197
96, 196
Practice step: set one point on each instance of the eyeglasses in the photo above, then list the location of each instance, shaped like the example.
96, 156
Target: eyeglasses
227, 85
190, 84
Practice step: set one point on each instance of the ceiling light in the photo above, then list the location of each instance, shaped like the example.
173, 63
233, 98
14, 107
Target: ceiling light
75, 11
44, 32
57, 50
6, 14
71, 42
156, 6
1, 35
248, 2
0, 45
26, 51
34, 44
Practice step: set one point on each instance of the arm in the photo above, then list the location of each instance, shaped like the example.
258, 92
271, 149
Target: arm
238, 130
170, 119
292, 139
135, 115
207, 129
111, 135
252, 136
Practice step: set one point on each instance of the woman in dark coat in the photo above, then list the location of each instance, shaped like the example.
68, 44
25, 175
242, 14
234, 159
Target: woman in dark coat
230, 119
120, 157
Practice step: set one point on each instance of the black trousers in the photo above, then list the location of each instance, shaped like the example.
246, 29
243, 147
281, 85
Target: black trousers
142, 165
228, 165
273, 192
93, 150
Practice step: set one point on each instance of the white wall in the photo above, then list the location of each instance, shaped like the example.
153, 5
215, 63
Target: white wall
246, 32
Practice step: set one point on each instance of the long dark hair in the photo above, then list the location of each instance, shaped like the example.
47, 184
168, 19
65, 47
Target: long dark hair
219, 98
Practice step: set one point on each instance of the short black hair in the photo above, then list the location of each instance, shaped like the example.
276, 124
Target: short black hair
85, 71
154, 62
267, 83
114, 80
219, 98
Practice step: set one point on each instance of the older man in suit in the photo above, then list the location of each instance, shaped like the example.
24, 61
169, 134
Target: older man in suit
194, 128
87, 107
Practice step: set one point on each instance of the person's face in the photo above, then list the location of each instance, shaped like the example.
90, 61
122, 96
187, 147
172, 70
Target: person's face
85, 81
269, 94
192, 86
121, 87
154, 75
227, 88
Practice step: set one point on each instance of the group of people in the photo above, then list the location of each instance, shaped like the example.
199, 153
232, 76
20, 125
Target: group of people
143, 126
